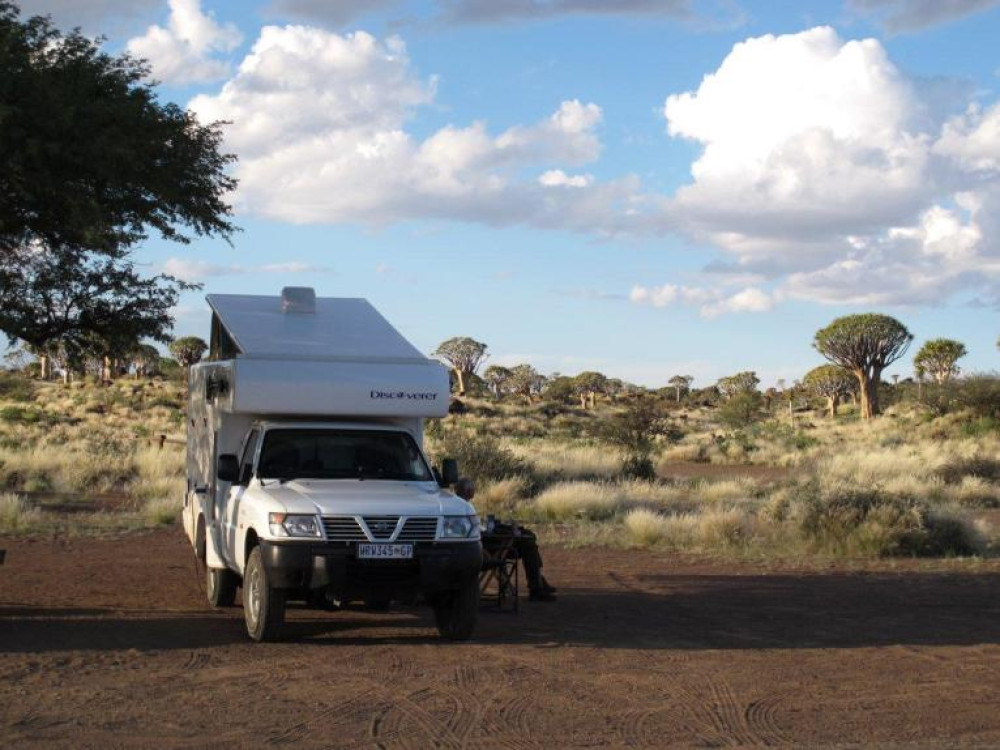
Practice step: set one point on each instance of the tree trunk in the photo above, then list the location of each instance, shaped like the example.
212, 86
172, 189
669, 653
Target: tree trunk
107, 371
833, 402
678, 394
593, 400
461, 382
869, 393
583, 400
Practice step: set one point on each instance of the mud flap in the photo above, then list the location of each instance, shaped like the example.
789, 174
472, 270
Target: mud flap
212, 557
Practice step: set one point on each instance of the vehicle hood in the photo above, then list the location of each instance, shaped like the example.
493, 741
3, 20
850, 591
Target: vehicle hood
352, 497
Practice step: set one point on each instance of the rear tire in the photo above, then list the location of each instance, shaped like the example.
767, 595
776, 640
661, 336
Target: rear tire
455, 613
220, 585
263, 606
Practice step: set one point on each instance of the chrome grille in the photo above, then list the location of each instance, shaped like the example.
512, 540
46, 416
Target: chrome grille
343, 530
419, 530
381, 527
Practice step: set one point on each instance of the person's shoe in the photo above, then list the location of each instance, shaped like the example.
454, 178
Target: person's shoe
541, 595
546, 586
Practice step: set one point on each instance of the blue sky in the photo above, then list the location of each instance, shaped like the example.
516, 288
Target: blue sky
526, 181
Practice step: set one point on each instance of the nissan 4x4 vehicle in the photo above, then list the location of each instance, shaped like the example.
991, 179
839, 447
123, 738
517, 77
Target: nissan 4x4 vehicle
306, 476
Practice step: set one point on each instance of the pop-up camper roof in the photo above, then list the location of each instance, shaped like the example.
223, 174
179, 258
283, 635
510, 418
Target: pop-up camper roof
301, 355
350, 329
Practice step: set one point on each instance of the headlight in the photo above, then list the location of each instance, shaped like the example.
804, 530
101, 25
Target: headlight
459, 527
289, 524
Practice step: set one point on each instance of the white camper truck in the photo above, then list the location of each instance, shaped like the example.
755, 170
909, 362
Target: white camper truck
306, 477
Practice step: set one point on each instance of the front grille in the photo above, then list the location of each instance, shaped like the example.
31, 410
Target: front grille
419, 530
343, 530
381, 527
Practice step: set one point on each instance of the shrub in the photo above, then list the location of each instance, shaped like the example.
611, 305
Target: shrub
15, 387
646, 527
483, 459
983, 467
742, 410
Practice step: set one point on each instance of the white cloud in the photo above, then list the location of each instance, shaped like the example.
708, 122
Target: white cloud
184, 51
320, 128
826, 170
196, 270
913, 15
711, 302
558, 178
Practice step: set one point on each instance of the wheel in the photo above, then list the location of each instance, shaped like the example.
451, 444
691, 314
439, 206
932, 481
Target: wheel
455, 613
220, 585
263, 606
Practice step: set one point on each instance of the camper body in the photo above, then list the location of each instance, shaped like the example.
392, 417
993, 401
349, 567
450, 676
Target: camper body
306, 475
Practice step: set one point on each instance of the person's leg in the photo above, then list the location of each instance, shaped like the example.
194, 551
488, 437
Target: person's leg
531, 558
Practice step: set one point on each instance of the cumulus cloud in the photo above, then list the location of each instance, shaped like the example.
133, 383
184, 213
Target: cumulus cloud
558, 178
913, 15
320, 126
828, 172
184, 51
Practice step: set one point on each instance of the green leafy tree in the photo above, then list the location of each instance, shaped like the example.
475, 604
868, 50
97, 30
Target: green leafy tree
145, 360
681, 385
465, 356
523, 381
635, 430
497, 377
94, 305
93, 164
865, 345
560, 388
830, 382
188, 350
742, 409
939, 357
92, 160
741, 382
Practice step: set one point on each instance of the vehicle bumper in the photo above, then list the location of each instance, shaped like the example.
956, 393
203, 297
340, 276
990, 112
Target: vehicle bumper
435, 567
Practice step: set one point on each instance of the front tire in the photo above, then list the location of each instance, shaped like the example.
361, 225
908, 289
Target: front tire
263, 606
455, 613
220, 585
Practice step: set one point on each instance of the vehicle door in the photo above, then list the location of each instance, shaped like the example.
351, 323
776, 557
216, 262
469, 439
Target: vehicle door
234, 497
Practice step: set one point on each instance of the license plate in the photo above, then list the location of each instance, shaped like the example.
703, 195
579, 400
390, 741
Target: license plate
385, 551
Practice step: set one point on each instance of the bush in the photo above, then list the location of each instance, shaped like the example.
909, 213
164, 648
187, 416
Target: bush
742, 410
483, 459
983, 467
14, 387
866, 521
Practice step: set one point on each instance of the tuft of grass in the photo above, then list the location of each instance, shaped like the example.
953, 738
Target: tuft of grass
162, 512
16, 514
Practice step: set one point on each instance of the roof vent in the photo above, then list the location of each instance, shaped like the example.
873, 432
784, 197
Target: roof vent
298, 299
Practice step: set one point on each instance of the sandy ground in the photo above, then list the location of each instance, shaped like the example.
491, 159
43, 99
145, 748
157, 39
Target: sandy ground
109, 643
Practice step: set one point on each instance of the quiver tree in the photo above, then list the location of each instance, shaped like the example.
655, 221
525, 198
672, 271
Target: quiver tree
681, 384
497, 378
865, 345
741, 382
587, 385
938, 357
464, 355
188, 350
524, 381
145, 360
830, 382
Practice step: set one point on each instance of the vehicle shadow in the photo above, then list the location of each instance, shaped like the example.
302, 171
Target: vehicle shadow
662, 611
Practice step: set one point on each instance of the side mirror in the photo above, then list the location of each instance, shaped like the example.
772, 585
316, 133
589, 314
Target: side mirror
228, 468
449, 472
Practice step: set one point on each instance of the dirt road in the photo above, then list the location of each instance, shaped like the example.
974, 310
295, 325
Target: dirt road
109, 643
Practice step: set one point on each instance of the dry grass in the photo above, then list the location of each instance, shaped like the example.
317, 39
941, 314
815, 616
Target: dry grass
16, 514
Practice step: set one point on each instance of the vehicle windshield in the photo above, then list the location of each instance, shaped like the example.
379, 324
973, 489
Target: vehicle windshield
341, 454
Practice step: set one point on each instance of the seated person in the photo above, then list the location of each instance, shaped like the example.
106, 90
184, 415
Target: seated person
525, 542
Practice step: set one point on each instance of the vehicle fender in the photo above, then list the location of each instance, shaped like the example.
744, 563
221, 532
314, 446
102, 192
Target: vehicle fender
212, 557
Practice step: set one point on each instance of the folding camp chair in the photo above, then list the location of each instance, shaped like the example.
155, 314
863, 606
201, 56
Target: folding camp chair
498, 578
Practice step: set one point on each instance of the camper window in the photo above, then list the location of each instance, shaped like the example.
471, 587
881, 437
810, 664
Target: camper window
341, 454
